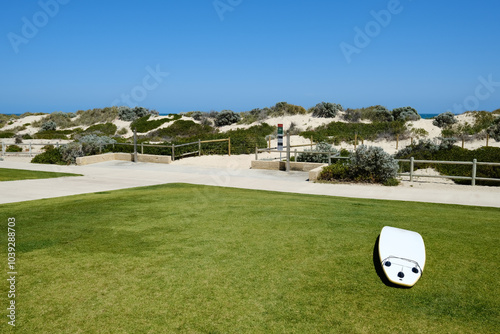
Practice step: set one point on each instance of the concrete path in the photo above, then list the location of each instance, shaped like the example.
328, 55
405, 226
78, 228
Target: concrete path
120, 175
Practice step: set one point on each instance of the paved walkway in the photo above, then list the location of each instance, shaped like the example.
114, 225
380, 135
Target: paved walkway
120, 175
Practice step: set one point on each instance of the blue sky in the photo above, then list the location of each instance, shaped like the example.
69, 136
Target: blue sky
174, 56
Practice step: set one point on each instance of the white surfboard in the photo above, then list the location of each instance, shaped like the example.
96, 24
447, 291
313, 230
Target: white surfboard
402, 255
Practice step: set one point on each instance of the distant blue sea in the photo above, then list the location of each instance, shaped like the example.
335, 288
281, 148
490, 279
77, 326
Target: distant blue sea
428, 116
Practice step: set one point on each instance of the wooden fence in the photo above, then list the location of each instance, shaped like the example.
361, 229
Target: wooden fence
173, 147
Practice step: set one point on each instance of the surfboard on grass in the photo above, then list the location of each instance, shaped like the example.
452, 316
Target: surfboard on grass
402, 255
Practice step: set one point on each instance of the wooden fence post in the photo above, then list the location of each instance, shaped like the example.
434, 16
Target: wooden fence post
142, 148
229, 146
287, 151
199, 147
135, 145
173, 152
474, 171
412, 165
256, 152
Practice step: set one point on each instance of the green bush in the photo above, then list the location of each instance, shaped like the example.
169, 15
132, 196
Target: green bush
50, 156
377, 113
129, 114
311, 156
284, 108
405, 114
96, 115
337, 132
5, 134
48, 126
143, 124
339, 172
494, 129
366, 164
226, 117
326, 110
107, 129
352, 115
444, 120
53, 134
372, 164
14, 149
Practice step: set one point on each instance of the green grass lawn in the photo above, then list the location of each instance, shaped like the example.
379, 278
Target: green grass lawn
8, 174
199, 259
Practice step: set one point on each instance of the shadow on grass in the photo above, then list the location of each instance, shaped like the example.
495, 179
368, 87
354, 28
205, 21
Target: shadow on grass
378, 268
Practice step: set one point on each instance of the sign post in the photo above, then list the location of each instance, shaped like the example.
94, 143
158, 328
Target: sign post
280, 137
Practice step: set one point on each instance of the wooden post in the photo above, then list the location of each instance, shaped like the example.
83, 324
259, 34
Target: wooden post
474, 171
269, 142
199, 147
229, 145
256, 152
173, 152
135, 145
295, 155
288, 151
355, 140
142, 148
397, 141
412, 164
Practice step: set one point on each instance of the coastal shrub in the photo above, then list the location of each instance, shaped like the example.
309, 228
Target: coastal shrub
59, 118
339, 172
313, 156
143, 124
284, 108
182, 129
337, 132
48, 126
6, 134
131, 114
53, 134
107, 129
96, 115
405, 114
226, 117
494, 130
50, 156
377, 113
366, 164
445, 119
71, 151
482, 120
14, 149
326, 110
94, 144
27, 136
18, 139
352, 115
197, 115
372, 164
254, 115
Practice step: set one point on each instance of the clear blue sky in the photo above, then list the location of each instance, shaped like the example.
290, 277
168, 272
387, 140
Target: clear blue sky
244, 54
